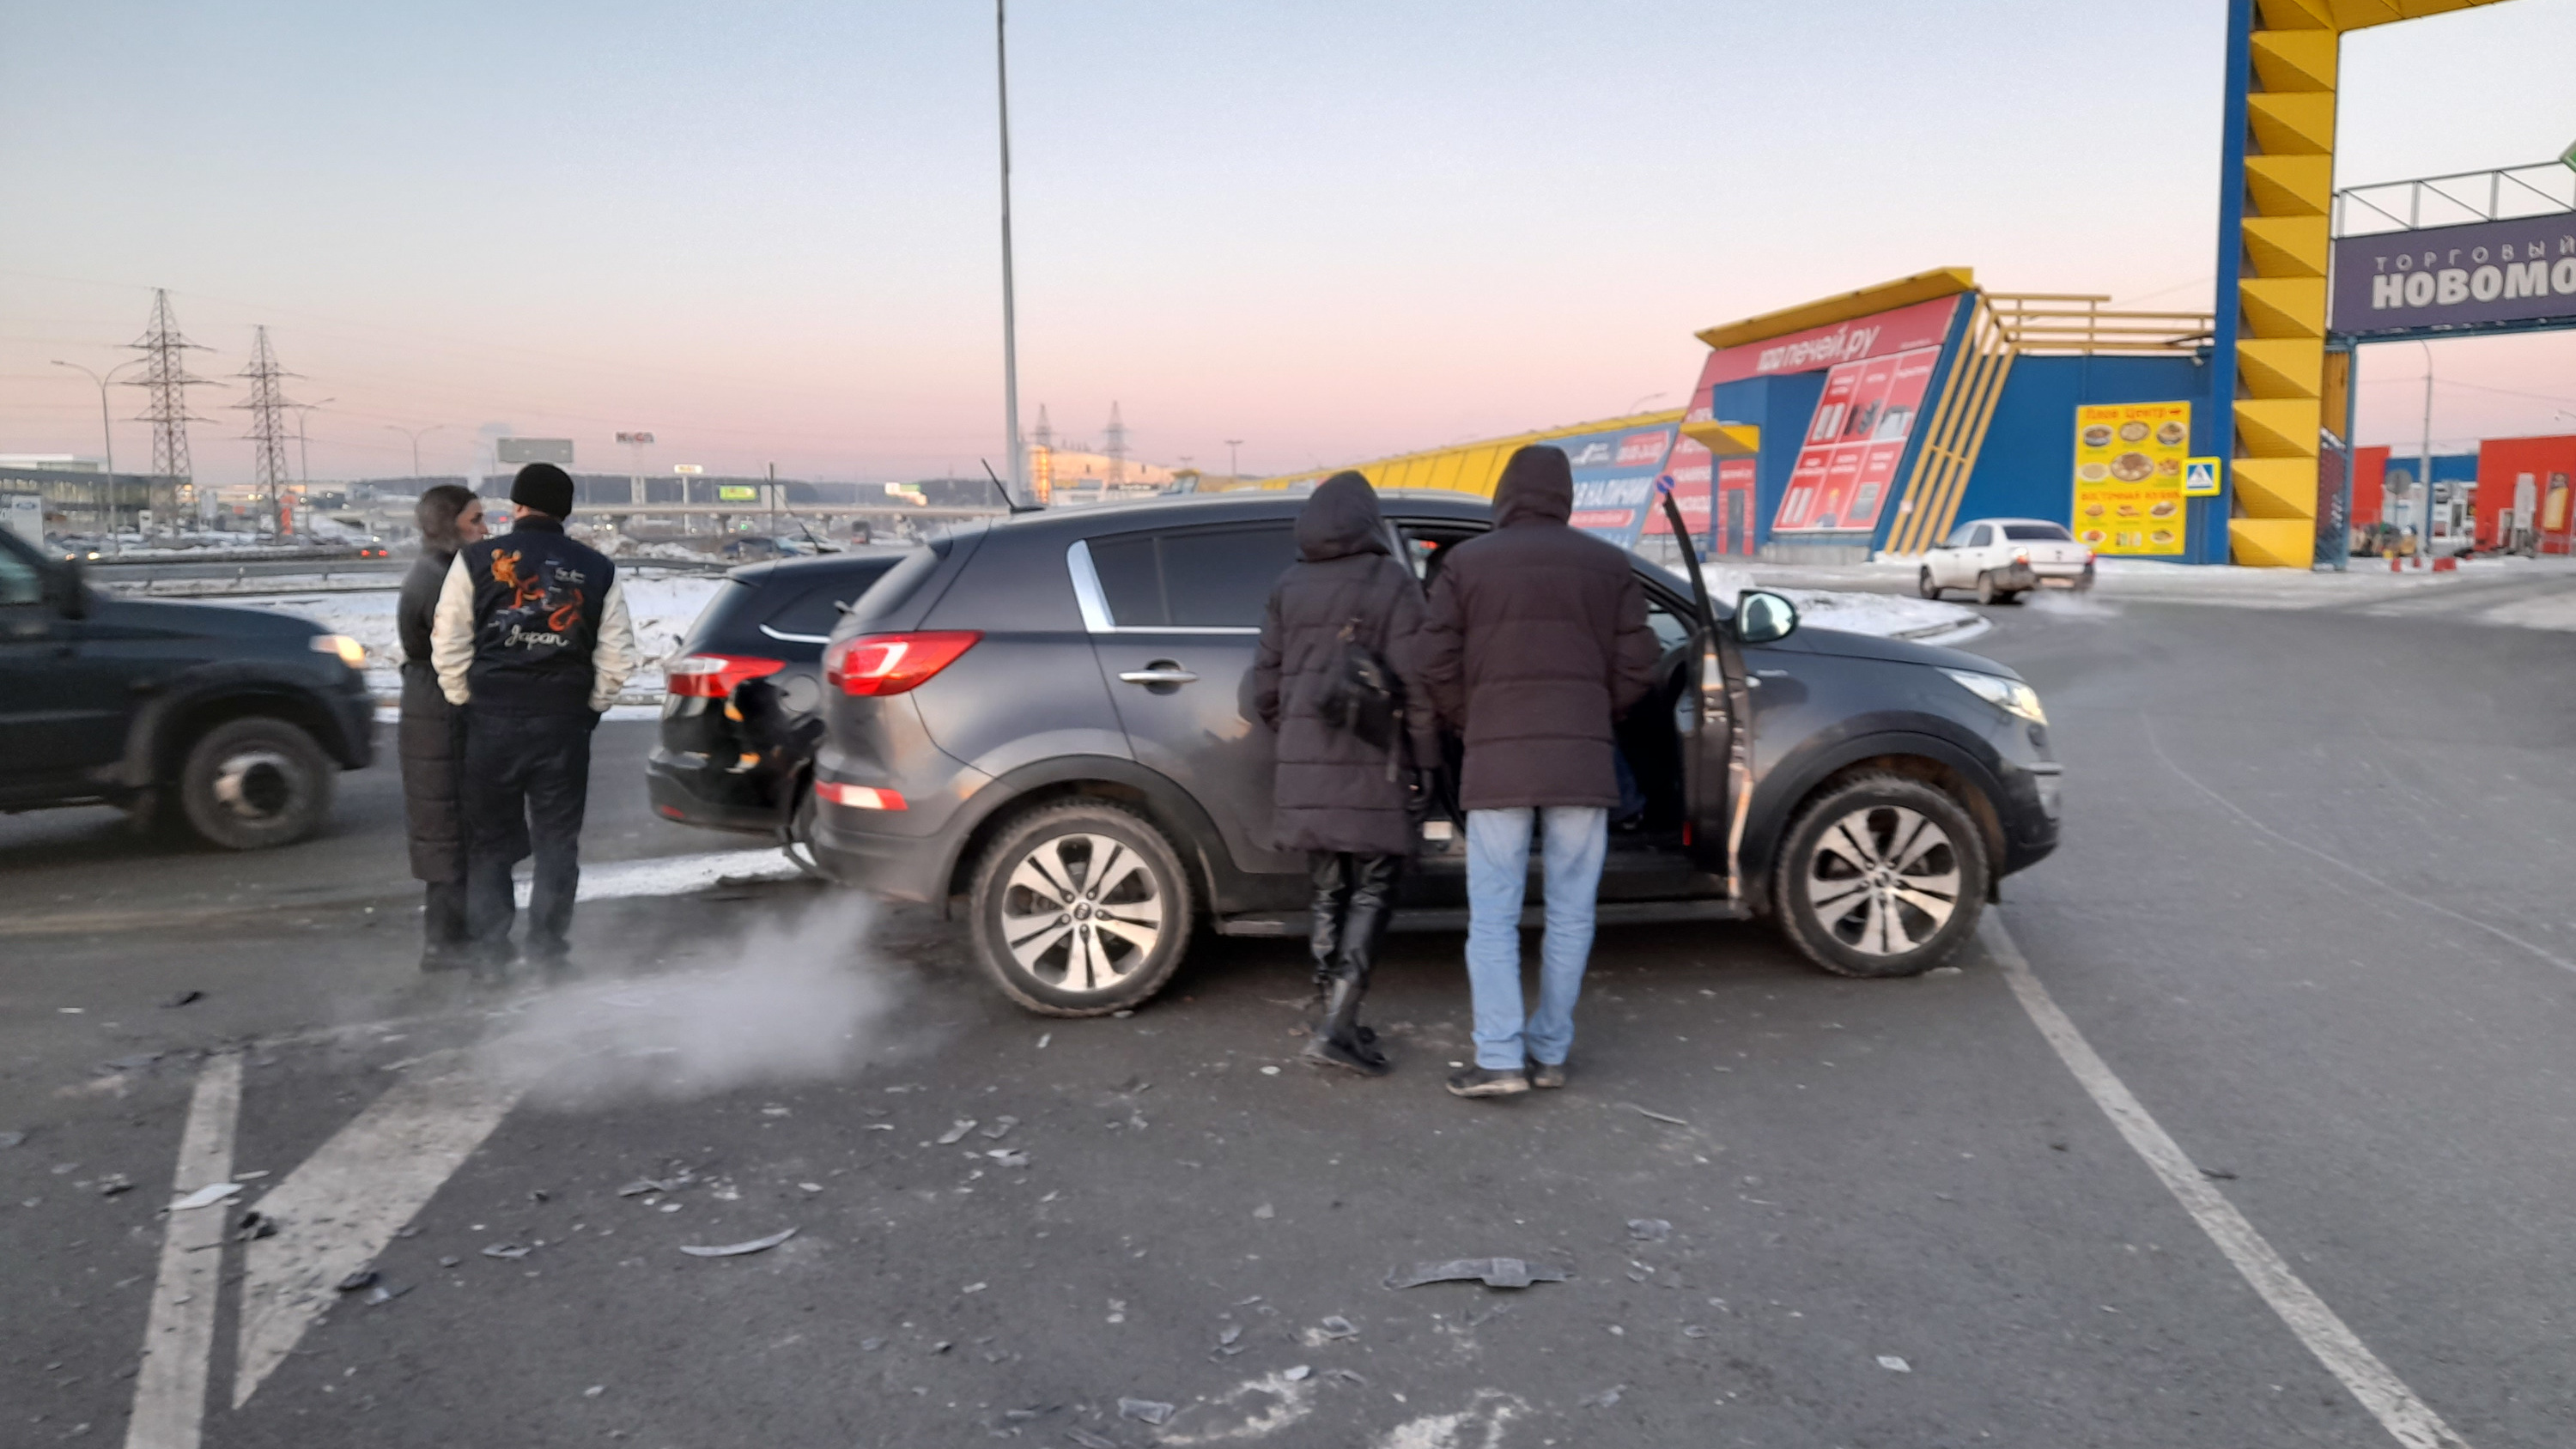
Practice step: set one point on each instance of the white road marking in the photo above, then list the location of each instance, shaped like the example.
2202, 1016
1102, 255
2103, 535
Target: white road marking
2395, 1406
340, 1209
179, 1338
2561, 962
672, 875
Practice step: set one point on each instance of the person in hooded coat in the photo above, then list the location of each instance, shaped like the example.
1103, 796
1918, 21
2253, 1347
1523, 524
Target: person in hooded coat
1534, 642
1348, 803
430, 738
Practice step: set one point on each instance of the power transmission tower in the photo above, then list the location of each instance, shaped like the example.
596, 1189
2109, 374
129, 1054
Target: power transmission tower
165, 382
267, 407
1116, 448
1044, 437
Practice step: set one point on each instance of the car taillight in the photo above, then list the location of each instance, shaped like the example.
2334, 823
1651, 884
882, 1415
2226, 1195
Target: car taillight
714, 676
2021, 555
859, 797
892, 663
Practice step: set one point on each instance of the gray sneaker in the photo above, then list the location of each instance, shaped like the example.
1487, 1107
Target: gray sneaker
1483, 1082
1547, 1075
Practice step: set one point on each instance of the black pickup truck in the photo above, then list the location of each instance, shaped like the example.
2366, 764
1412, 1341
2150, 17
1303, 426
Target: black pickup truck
239, 721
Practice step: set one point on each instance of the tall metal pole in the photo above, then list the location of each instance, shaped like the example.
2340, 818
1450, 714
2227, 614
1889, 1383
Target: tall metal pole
303, 447
1010, 319
1233, 470
106, 442
2424, 481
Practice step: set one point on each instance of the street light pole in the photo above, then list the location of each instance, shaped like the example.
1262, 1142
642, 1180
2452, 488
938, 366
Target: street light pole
1010, 319
107, 443
303, 447
2424, 481
1232, 469
415, 435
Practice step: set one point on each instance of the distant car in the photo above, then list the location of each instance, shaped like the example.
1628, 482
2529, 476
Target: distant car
373, 549
240, 719
743, 713
2005, 558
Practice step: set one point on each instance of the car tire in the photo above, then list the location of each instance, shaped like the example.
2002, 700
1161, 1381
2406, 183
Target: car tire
255, 782
798, 847
1049, 956
1852, 910
1923, 585
1987, 593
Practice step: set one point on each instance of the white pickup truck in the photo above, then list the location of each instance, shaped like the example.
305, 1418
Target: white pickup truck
2005, 558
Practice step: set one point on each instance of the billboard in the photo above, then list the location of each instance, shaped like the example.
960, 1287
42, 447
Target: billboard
557, 451
1903, 329
1847, 463
2488, 274
1614, 479
2129, 460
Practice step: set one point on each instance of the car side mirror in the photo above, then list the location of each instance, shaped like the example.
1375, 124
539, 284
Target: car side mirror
1762, 617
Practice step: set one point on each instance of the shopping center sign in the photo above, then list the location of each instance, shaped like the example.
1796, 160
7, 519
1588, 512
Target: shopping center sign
2486, 276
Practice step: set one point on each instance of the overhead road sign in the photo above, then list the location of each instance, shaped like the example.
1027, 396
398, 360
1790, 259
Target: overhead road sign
557, 451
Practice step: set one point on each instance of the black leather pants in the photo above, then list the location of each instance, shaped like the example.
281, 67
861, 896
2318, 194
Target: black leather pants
1353, 906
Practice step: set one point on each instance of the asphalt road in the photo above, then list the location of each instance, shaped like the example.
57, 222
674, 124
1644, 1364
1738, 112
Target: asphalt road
2309, 916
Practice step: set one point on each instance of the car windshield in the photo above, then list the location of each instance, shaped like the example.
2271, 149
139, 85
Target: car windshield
2036, 533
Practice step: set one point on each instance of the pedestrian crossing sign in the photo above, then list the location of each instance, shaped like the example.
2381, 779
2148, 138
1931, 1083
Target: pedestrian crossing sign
2200, 477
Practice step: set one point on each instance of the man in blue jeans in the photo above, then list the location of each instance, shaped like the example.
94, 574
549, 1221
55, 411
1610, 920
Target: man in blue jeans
1534, 644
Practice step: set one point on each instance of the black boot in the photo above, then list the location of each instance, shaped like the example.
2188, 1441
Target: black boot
1330, 874
1336, 1041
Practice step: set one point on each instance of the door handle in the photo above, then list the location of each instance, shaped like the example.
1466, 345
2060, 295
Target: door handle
1161, 671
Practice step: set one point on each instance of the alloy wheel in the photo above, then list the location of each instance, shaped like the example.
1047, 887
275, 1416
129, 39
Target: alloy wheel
1883, 880
255, 784
1082, 912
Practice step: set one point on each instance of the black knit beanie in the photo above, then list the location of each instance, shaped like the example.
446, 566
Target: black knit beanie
545, 488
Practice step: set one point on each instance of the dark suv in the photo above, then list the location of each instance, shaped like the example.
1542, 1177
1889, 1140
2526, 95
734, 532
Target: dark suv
240, 718
1045, 721
743, 712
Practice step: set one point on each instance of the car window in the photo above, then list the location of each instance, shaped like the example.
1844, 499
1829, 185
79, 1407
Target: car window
20, 582
1196, 579
1959, 536
817, 609
1222, 580
1983, 536
1670, 631
2036, 533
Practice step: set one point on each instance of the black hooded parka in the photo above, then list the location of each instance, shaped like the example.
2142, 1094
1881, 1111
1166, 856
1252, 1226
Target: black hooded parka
1335, 791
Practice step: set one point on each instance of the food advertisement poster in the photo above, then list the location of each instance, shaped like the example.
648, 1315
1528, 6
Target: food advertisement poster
2129, 460
1847, 465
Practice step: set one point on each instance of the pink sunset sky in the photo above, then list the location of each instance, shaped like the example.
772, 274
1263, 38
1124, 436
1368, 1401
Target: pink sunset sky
767, 233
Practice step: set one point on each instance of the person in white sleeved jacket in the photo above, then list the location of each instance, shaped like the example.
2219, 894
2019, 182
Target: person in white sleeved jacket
531, 640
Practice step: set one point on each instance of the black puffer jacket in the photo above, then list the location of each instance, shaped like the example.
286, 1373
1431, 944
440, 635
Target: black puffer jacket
1335, 791
431, 738
1534, 642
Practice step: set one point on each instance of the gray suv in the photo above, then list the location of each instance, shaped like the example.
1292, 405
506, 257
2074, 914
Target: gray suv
1042, 723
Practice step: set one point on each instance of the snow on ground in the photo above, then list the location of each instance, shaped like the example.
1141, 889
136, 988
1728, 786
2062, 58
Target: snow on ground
662, 607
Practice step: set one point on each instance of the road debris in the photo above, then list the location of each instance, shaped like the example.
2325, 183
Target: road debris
1227, 1338
1144, 1411
1009, 1158
736, 1250
1298, 1374
2218, 1174
1893, 1364
380, 1295
1693, 1330
1338, 1327
1087, 1439
1649, 1230
207, 1196
1605, 1398
1001, 1127
510, 1251
115, 1184
957, 1133
643, 1185
363, 1278
1350, 1376
1043, 1038
1265, 1212
1493, 1272
449, 1261
253, 1226
181, 999
1652, 1116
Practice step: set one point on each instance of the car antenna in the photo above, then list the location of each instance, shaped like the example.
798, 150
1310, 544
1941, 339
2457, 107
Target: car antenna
1013, 504
819, 545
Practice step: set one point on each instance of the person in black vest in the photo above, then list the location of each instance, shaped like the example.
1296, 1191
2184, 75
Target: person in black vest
432, 736
532, 641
